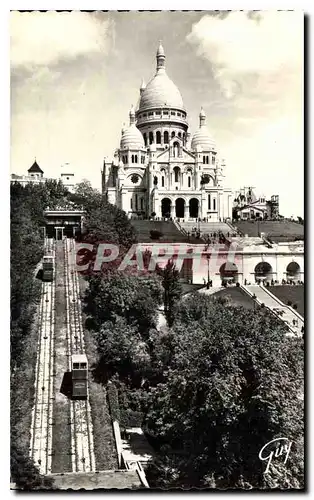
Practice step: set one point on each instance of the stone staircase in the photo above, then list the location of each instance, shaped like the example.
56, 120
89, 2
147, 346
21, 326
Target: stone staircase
289, 316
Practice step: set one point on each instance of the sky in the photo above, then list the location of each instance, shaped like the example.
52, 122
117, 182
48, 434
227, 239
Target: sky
74, 77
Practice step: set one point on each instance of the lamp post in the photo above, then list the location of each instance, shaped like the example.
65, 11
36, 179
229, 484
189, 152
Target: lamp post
207, 256
254, 300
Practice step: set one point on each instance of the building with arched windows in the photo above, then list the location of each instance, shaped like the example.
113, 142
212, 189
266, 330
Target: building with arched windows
157, 170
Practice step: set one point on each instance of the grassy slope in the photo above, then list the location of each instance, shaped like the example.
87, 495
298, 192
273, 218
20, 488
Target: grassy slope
104, 443
238, 297
22, 386
294, 293
61, 436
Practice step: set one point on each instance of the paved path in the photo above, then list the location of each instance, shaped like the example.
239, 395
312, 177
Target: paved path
212, 290
288, 315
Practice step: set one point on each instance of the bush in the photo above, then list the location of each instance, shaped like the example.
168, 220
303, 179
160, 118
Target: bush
295, 306
262, 305
155, 235
238, 284
289, 303
113, 398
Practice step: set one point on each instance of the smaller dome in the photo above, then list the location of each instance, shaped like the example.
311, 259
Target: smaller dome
202, 136
131, 137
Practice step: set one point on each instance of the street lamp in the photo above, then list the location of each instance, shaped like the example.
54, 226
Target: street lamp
207, 256
254, 300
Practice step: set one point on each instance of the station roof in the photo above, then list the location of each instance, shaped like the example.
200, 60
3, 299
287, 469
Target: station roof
79, 358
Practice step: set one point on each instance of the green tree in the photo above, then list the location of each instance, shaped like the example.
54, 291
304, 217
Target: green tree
172, 289
135, 298
234, 382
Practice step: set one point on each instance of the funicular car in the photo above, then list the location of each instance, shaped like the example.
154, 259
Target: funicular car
79, 376
48, 267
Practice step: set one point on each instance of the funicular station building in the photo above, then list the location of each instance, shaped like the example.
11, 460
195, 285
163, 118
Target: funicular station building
62, 222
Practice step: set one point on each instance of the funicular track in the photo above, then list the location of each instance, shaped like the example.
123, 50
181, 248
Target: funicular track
82, 444
42, 414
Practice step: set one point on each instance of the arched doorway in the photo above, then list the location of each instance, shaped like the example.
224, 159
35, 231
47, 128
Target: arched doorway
165, 207
293, 271
229, 272
193, 206
180, 203
263, 270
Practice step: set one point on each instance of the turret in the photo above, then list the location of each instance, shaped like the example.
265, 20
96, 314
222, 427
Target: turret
142, 87
160, 57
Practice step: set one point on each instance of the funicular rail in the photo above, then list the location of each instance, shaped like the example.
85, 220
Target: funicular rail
82, 446
41, 427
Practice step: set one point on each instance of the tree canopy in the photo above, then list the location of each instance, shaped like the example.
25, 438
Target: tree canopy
233, 383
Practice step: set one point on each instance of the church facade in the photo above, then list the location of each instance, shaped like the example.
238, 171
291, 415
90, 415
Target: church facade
158, 171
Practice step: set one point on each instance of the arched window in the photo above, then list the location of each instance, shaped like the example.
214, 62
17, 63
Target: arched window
132, 158
173, 134
163, 181
207, 160
176, 147
189, 172
209, 202
145, 139
135, 158
158, 137
214, 204
151, 137
176, 174
213, 159
179, 135
136, 202
203, 159
166, 137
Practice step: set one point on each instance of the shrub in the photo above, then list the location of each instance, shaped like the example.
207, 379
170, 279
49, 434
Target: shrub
295, 306
289, 303
155, 235
113, 398
238, 284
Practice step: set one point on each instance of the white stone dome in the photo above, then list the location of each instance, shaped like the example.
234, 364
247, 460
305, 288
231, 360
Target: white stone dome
132, 138
160, 91
202, 137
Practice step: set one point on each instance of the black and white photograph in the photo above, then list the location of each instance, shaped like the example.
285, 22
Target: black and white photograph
157, 267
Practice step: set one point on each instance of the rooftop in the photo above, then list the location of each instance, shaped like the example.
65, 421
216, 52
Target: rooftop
35, 168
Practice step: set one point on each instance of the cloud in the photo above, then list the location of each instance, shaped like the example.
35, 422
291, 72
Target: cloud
257, 62
43, 38
266, 43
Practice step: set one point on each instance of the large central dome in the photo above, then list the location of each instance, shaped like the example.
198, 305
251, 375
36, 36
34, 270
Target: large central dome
160, 91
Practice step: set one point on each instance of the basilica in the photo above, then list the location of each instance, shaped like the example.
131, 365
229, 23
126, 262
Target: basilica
158, 171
